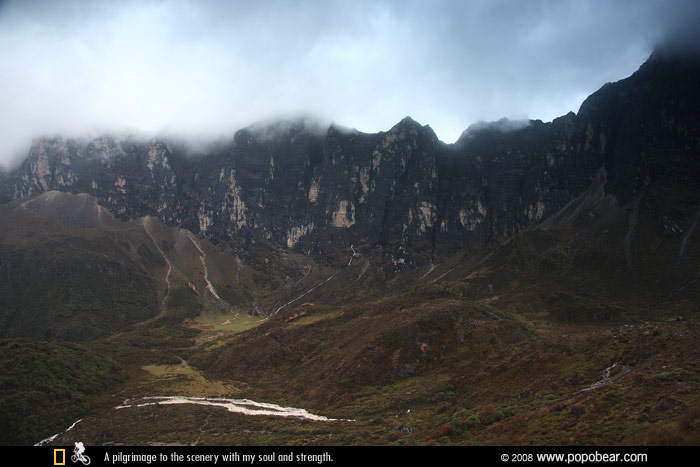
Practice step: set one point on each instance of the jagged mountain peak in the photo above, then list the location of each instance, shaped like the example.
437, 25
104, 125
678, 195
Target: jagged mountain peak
286, 127
409, 126
503, 125
668, 73
408, 121
341, 129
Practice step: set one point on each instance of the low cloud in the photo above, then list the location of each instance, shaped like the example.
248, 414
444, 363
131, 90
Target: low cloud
205, 69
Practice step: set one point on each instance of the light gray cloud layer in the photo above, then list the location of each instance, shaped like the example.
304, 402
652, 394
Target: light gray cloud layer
207, 68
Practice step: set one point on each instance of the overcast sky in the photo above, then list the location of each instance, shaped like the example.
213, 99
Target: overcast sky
207, 68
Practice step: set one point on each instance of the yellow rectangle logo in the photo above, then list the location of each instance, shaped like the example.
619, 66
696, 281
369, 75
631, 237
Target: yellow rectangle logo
56, 457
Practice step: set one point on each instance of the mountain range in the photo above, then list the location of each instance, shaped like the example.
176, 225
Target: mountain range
534, 282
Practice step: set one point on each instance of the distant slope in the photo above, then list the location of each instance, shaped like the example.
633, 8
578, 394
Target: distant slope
75, 272
71, 284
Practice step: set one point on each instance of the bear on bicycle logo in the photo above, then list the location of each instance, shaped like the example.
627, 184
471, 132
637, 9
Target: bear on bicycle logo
79, 454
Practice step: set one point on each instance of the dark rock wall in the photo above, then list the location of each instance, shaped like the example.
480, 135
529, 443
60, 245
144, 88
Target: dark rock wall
402, 189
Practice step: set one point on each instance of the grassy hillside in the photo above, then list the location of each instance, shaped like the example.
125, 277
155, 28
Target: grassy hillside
45, 387
71, 285
586, 334
582, 332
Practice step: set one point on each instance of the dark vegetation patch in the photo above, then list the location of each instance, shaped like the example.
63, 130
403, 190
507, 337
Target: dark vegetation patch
45, 387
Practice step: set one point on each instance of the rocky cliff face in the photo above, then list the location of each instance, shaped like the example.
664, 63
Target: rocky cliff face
402, 190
